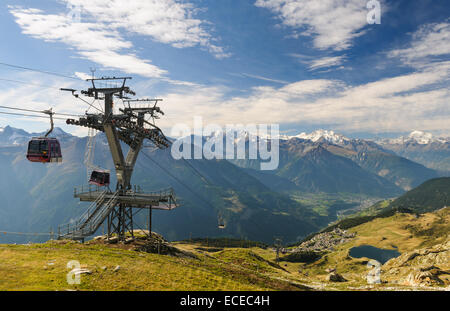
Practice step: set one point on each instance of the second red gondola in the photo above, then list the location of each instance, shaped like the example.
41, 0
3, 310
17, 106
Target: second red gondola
99, 178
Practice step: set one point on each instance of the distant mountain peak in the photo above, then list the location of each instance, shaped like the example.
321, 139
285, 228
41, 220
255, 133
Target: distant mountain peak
320, 135
57, 132
426, 138
422, 137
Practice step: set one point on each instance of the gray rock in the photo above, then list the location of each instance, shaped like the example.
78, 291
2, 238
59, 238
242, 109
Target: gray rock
335, 277
81, 271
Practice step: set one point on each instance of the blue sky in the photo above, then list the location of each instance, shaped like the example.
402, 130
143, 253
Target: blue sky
304, 64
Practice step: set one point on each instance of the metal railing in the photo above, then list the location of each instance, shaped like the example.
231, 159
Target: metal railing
87, 188
91, 219
97, 219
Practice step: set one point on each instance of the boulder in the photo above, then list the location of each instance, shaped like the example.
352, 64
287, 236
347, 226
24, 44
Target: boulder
113, 240
335, 277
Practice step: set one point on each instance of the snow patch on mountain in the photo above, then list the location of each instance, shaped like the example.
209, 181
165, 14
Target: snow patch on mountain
236, 135
421, 137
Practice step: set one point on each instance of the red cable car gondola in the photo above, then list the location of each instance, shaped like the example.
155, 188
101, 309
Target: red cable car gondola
44, 149
99, 178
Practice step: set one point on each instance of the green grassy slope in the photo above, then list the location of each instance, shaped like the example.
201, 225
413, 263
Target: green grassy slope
44, 267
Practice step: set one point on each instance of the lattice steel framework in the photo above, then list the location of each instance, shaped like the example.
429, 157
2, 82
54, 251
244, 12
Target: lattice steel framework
131, 127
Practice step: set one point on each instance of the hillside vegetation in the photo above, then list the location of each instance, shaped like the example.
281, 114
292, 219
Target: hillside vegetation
430, 196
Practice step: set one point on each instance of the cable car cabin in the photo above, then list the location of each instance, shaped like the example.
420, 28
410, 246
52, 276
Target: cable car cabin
44, 150
99, 178
221, 224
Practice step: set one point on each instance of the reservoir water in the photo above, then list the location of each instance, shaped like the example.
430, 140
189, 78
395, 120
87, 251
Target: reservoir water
379, 254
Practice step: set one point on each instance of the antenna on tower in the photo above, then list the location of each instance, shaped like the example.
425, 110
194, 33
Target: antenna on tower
93, 70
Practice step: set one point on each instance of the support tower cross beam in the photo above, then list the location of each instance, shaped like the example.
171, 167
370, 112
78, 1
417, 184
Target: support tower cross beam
131, 127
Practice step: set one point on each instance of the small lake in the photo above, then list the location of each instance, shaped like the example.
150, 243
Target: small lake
379, 254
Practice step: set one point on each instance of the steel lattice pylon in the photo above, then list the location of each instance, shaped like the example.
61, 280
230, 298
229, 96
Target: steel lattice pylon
130, 127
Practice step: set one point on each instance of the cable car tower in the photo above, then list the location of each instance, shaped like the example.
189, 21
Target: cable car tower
130, 127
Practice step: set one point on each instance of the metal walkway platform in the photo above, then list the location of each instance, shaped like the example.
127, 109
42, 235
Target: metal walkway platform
160, 200
103, 203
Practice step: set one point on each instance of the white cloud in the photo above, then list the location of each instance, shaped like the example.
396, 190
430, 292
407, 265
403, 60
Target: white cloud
326, 62
129, 63
317, 62
166, 21
428, 43
99, 34
332, 23
417, 100
92, 41
401, 103
261, 78
82, 75
307, 87
396, 104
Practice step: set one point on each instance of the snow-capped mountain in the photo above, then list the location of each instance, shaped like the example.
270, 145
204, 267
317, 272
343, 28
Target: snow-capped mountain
316, 136
418, 137
238, 135
422, 147
329, 136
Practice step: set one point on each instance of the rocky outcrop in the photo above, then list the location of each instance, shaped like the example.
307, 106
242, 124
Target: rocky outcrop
436, 255
425, 278
335, 277
422, 267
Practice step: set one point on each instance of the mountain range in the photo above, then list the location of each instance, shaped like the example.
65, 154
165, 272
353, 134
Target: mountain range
423, 148
368, 156
257, 205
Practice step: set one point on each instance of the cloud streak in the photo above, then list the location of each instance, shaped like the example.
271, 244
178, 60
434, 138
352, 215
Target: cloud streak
325, 62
